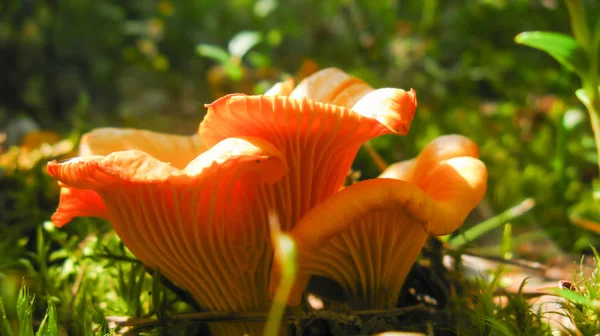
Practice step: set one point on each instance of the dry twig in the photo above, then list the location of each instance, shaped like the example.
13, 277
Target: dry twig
204, 317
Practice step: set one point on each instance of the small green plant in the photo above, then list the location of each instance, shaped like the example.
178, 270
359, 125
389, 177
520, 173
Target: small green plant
285, 252
231, 59
481, 313
25, 307
582, 301
579, 54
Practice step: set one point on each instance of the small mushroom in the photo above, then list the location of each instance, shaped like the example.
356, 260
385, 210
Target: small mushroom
367, 236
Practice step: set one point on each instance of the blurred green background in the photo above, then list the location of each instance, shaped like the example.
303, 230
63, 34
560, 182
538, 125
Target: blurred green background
73, 65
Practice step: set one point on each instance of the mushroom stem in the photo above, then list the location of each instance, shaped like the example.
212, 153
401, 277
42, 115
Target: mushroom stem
375, 156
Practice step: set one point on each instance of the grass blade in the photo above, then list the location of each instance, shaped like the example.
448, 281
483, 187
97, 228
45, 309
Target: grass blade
285, 251
49, 325
24, 311
492, 223
5, 327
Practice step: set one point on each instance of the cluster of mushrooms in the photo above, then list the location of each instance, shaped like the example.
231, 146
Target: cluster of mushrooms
197, 207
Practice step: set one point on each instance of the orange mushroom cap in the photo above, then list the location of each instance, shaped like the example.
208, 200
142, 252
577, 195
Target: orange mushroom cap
318, 137
368, 235
177, 150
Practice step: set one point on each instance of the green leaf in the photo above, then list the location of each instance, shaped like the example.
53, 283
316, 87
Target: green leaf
565, 49
231, 66
24, 311
213, 52
49, 325
241, 43
262, 8
258, 60
5, 328
234, 71
576, 298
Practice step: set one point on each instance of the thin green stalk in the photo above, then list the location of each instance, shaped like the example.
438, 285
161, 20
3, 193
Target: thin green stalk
507, 242
578, 23
590, 88
285, 253
593, 108
41, 257
280, 301
590, 96
506, 249
492, 223
5, 327
379, 161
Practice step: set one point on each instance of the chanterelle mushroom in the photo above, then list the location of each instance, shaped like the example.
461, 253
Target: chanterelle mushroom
367, 236
197, 207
